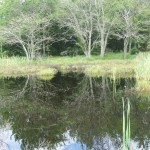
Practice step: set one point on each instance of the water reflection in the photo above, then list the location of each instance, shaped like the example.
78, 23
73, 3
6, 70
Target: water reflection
71, 111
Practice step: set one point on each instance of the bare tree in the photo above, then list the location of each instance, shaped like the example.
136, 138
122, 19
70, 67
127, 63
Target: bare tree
79, 17
25, 31
105, 14
129, 22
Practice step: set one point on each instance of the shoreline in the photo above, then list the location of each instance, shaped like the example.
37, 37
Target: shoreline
63, 64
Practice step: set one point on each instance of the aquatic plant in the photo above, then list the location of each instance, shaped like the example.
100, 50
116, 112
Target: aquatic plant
126, 125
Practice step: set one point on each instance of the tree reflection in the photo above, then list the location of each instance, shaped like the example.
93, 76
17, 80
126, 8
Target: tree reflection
101, 117
40, 112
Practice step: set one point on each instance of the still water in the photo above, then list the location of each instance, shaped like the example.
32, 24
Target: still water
71, 112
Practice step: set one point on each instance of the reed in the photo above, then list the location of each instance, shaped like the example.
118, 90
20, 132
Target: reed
126, 125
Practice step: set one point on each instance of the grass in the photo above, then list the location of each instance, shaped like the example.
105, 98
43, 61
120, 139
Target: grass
112, 64
115, 68
143, 86
46, 74
13, 61
91, 66
142, 73
143, 66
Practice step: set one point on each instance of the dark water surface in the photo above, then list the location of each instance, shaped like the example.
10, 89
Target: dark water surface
70, 112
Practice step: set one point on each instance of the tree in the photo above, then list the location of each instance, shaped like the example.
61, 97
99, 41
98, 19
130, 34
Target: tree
88, 24
18, 19
25, 31
129, 25
2, 41
106, 14
28, 25
91, 22
79, 17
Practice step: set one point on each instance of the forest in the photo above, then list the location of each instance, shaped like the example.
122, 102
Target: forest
36, 29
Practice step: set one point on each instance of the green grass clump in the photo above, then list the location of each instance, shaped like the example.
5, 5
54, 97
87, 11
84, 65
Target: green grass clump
46, 74
121, 70
96, 71
45, 78
143, 86
143, 66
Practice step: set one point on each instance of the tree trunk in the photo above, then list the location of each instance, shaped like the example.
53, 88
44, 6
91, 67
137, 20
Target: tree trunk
87, 53
44, 53
125, 47
32, 48
130, 45
103, 43
89, 44
44, 50
26, 52
32, 54
1, 49
102, 47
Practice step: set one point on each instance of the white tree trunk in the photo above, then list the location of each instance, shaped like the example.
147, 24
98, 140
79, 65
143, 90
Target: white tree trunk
103, 47
26, 52
130, 44
126, 43
89, 44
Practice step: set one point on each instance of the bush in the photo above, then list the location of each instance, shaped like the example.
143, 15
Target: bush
3, 54
134, 51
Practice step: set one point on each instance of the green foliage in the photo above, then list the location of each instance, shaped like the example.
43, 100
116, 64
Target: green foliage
134, 51
3, 54
148, 45
68, 38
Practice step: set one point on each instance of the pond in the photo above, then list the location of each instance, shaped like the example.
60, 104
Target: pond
71, 111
